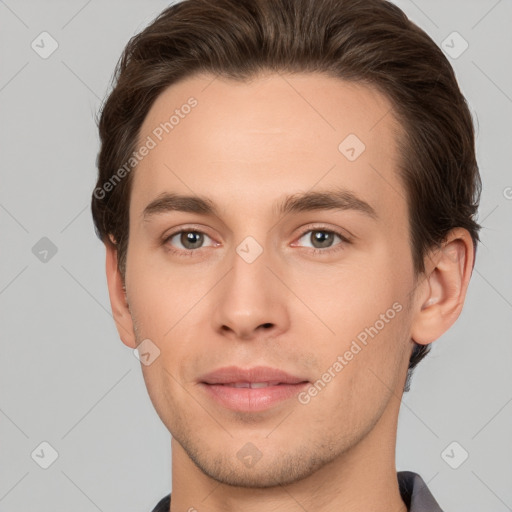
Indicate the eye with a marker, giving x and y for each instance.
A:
(322, 240)
(186, 240)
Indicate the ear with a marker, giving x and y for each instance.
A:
(442, 294)
(118, 300)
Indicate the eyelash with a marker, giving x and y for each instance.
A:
(312, 250)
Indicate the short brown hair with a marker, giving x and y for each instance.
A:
(367, 41)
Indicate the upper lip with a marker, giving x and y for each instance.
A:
(233, 374)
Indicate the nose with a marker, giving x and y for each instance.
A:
(250, 301)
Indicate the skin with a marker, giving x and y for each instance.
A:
(246, 146)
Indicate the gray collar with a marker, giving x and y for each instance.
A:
(415, 493)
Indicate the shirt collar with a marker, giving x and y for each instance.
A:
(415, 493)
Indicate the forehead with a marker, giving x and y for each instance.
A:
(276, 134)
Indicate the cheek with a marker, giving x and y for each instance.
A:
(162, 296)
(360, 314)
(357, 380)
(349, 296)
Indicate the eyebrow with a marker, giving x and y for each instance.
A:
(339, 199)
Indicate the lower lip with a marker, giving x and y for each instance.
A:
(252, 399)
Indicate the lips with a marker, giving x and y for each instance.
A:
(250, 377)
(252, 385)
(251, 390)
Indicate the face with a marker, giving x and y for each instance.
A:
(258, 275)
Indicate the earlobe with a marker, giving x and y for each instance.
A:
(442, 295)
(118, 299)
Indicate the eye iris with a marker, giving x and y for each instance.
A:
(323, 237)
(191, 237)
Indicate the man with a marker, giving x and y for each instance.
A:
(286, 193)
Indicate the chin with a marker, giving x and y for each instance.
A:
(277, 471)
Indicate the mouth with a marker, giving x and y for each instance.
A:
(246, 377)
(252, 385)
(251, 390)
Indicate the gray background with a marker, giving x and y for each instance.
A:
(66, 378)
